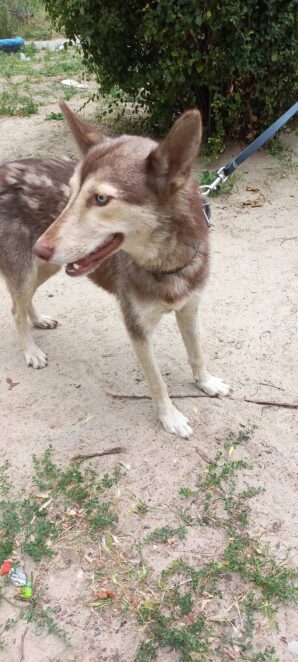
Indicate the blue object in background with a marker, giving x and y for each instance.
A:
(11, 45)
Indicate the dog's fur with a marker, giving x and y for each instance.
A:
(145, 239)
(32, 193)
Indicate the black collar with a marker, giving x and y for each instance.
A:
(159, 275)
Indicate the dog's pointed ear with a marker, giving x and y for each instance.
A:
(84, 134)
(170, 164)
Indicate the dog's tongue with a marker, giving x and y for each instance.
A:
(80, 267)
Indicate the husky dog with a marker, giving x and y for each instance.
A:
(135, 225)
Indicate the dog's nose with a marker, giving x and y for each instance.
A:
(43, 251)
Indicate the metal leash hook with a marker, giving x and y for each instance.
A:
(220, 179)
(208, 188)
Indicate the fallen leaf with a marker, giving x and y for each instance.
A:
(171, 541)
(72, 512)
(10, 383)
(125, 465)
(251, 135)
(252, 189)
(257, 551)
(87, 419)
(105, 594)
(230, 652)
(253, 203)
(204, 604)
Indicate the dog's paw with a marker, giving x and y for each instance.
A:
(45, 322)
(212, 385)
(35, 357)
(175, 422)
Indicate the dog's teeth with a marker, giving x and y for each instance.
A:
(75, 266)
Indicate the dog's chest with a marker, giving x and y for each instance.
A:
(149, 313)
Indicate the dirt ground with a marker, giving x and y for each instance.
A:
(249, 320)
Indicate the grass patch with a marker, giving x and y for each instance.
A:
(25, 19)
(63, 63)
(207, 611)
(12, 65)
(43, 63)
(54, 116)
(204, 611)
(31, 84)
(61, 498)
(36, 613)
(17, 105)
(283, 154)
(193, 610)
(142, 508)
(166, 533)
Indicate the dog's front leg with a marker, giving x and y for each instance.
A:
(187, 319)
(172, 419)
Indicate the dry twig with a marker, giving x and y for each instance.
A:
(23, 644)
(264, 403)
(108, 451)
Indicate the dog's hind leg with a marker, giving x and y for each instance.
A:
(187, 319)
(34, 356)
(23, 309)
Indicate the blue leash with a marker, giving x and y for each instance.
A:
(227, 170)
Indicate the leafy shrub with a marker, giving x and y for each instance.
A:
(235, 60)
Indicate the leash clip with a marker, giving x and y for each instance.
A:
(208, 188)
(220, 179)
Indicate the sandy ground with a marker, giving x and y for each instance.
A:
(250, 327)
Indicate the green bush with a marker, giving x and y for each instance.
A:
(236, 60)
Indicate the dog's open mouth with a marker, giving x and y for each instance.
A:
(89, 262)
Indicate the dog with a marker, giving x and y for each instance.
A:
(135, 225)
(33, 192)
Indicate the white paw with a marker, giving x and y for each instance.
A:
(175, 422)
(45, 322)
(36, 357)
(212, 385)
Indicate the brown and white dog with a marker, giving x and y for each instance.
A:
(135, 225)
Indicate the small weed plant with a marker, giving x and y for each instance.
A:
(61, 498)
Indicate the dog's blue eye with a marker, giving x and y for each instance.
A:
(102, 200)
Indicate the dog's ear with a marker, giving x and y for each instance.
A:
(170, 164)
(84, 134)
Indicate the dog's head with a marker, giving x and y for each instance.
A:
(122, 190)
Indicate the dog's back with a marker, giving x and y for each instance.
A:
(32, 194)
